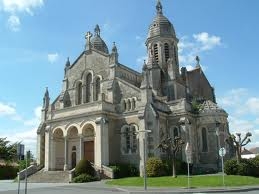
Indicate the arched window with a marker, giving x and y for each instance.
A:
(97, 88)
(156, 53)
(127, 136)
(129, 105)
(125, 105)
(79, 93)
(204, 140)
(66, 100)
(176, 134)
(134, 139)
(133, 104)
(88, 88)
(129, 139)
(166, 51)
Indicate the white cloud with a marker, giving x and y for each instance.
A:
(15, 7)
(207, 41)
(243, 110)
(190, 47)
(252, 105)
(36, 120)
(27, 135)
(233, 97)
(14, 23)
(53, 57)
(6, 109)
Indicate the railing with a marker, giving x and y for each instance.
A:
(71, 175)
(30, 170)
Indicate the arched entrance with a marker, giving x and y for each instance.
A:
(88, 135)
(73, 144)
(73, 157)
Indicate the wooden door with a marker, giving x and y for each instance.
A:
(89, 150)
(73, 160)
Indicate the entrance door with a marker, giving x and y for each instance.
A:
(73, 160)
(89, 150)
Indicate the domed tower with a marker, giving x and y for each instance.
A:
(97, 42)
(162, 52)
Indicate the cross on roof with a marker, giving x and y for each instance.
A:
(88, 38)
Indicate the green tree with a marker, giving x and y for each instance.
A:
(8, 151)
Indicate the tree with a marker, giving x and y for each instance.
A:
(238, 143)
(171, 147)
(8, 151)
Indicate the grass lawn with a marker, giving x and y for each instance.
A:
(182, 181)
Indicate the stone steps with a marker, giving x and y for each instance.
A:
(49, 177)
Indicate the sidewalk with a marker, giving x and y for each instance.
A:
(153, 190)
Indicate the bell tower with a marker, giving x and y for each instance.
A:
(163, 53)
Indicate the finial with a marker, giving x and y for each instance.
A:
(114, 48)
(144, 65)
(159, 7)
(68, 62)
(97, 30)
(198, 61)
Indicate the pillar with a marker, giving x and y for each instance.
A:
(101, 156)
(81, 146)
(65, 157)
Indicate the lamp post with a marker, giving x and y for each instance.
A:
(188, 153)
(218, 141)
(144, 156)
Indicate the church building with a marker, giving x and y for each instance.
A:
(109, 113)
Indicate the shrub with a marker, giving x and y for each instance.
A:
(155, 167)
(8, 172)
(84, 178)
(124, 170)
(255, 163)
(84, 167)
(231, 167)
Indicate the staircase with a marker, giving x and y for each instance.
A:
(49, 177)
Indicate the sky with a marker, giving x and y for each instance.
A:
(37, 36)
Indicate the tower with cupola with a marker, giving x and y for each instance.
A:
(162, 64)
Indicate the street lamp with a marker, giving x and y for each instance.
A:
(188, 153)
(218, 141)
(144, 156)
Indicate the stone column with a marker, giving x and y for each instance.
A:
(65, 157)
(47, 148)
(101, 156)
(81, 146)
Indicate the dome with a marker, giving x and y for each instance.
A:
(161, 26)
(210, 107)
(98, 43)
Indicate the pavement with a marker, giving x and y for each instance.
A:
(9, 187)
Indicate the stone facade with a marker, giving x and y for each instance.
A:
(104, 107)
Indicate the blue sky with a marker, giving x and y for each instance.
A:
(36, 37)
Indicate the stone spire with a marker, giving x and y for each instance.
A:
(67, 66)
(46, 99)
(159, 7)
(114, 54)
(114, 48)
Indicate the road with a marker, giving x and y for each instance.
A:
(91, 188)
